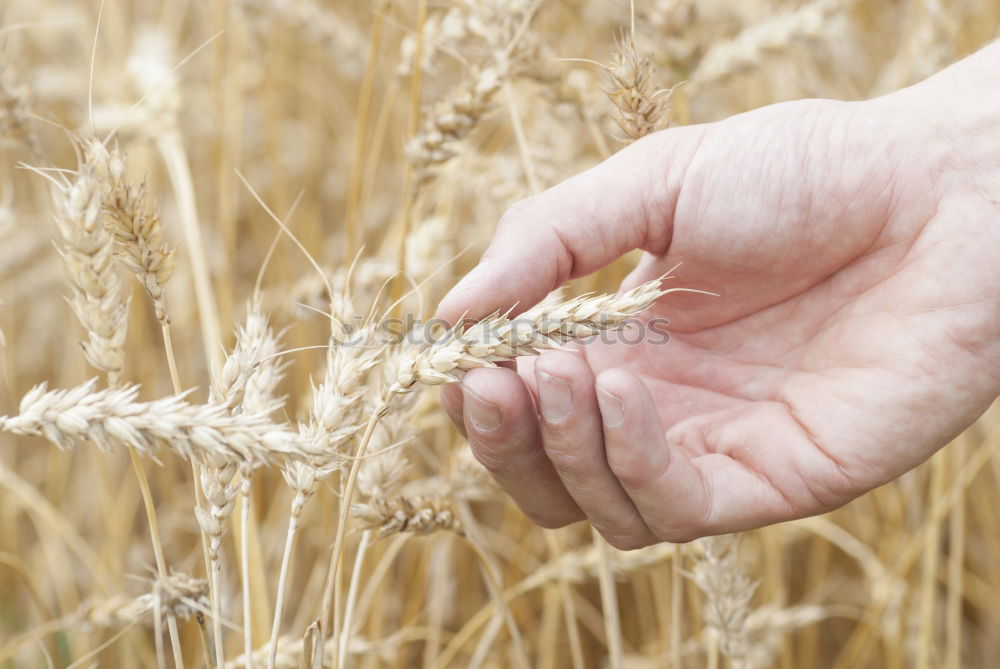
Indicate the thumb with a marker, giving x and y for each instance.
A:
(577, 227)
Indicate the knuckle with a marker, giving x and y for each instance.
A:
(492, 455)
(516, 213)
(568, 461)
(630, 473)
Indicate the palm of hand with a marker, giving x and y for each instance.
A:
(852, 330)
(856, 331)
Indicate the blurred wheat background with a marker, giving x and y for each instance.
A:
(262, 164)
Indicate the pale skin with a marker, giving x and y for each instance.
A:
(855, 248)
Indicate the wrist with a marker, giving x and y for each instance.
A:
(952, 116)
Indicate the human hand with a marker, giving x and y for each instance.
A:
(858, 328)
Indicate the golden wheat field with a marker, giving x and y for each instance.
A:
(207, 196)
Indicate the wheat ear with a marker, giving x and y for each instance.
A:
(549, 325)
(728, 590)
(88, 248)
(115, 418)
(417, 515)
(177, 595)
(630, 84)
(135, 223)
(333, 422)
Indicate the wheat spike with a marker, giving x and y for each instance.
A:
(135, 222)
(420, 515)
(115, 418)
(88, 248)
(728, 590)
(630, 85)
(548, 325)
(178, 594)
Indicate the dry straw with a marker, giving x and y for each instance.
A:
(453, 109)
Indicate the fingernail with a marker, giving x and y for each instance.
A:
(484, 416)
(556, 397)
(612, 408)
